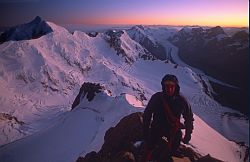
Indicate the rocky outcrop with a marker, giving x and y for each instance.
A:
(92, 34)
(8, 117)
(89, 89)
(120, 138)
(124, 143)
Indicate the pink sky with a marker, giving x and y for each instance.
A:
(154, 12)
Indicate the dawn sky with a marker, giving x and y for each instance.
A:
(148, 12)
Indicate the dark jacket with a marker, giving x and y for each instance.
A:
(178, 105)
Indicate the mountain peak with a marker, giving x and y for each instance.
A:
(34, 29)
(191, 30)
(138, 28)
(218, 29)
(212, 32)
(143, 35)
(37, 19)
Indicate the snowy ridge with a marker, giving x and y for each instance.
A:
(86, 125)
(125, 46)
(130, 45)
(56, 28)
(143, 35)
(139, 32)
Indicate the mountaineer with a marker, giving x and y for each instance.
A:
(161, 120)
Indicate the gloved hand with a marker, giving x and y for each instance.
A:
(186, 138)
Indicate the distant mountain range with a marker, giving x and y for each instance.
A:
(219, 55)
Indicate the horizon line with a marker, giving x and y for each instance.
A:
(133, 24)
(121, 24)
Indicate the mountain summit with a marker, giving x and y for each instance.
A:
(34, 29)
(215, 31)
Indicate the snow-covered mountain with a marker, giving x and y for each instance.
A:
(142, 35)
(40, 78)
(124, 46)
(40, 73)
(32, 30)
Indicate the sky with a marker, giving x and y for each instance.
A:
(145, 12)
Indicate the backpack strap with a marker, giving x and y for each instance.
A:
(172, 120)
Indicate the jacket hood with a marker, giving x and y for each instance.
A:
(173, 78)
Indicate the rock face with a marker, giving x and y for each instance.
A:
(34, 29)
(124, 143)
(8, 117)
(89, 89)
(120, 138)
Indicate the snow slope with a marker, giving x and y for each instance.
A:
(82, 130)
(40, 78)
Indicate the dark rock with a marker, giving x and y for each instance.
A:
(89, 89)
(8, 117)
(92, 34)
(90, 157)
(184, 151)
(120, 138)
(208, 158)
(124, 156)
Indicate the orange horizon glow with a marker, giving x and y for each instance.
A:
(226, 13)
(225, 22)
